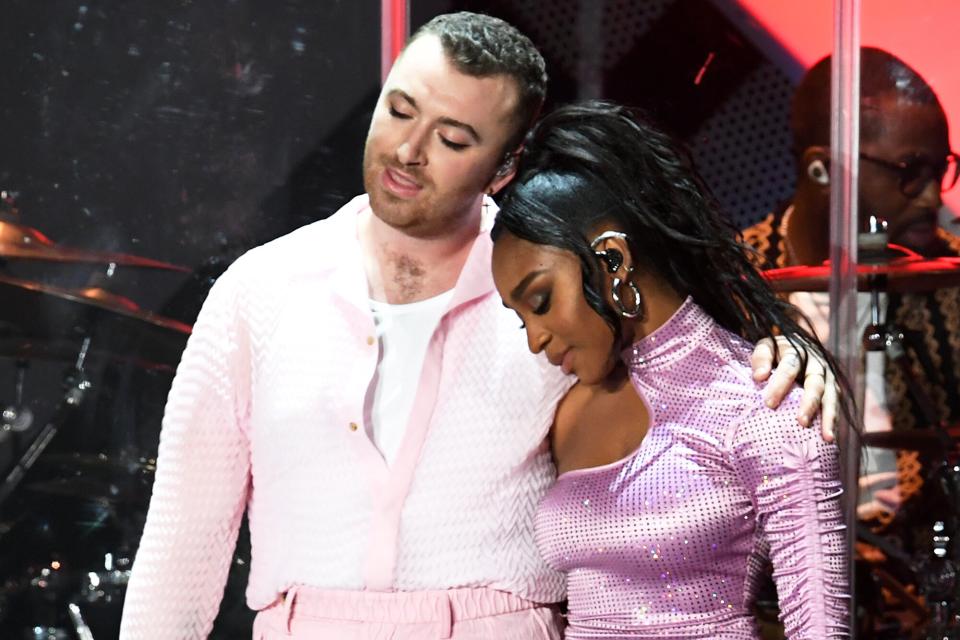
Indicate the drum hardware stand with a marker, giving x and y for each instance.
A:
(83, 631)
(903, 570)
(939, 583)
(76, 385)
(938, 577)
(881, 335)
(16, 417)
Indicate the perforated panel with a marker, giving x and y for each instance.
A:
(553, 25)
(743, 150)
(623, 22)
(743, 147)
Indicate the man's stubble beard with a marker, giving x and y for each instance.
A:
(423, 217)
(391, 210)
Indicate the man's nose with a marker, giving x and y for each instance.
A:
(931, 197)
(411, 149)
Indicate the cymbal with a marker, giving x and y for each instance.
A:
(94, 476)
(916, 440)
(22, 242)
(93, 463)
(89, 488)
(39, 312)
(908, 274)
(17, 347)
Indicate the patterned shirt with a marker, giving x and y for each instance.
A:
(930, 323)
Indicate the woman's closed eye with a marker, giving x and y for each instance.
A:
(540, 303)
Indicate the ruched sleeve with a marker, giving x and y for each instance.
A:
(793, 477)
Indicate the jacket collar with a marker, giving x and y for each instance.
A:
(349, 278)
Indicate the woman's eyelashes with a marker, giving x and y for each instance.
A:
(539, 304)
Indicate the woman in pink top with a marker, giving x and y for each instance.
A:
(677, 483)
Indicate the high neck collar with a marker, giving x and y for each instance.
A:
(671, 341)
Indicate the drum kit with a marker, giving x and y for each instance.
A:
(908, 569)
(69, 520)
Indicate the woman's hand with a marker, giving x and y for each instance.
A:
(820, 391)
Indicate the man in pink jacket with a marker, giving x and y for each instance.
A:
(358, 388)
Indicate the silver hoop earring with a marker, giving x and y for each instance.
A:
(637, 309)
(606, 235)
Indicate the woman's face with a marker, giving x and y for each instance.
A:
(544, 286)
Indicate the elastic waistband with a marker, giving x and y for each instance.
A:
(444, 606)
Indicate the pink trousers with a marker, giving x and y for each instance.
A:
(455, 614)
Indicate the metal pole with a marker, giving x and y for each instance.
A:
(844, 163)
(394, 31)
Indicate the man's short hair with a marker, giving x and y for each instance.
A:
(882, 74)
(482, 46)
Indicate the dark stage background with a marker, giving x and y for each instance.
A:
(189, 131)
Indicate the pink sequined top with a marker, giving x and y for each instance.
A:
(670, 541)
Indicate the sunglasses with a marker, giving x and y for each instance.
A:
(915, 174)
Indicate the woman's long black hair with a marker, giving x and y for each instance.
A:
(596, 162)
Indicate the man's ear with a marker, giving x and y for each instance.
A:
(504, 174)
(815, 167)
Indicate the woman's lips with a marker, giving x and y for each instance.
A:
(566, 365)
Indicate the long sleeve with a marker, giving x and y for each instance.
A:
(793, 478)
(201, 484)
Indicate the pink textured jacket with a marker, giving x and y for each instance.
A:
(266, 413)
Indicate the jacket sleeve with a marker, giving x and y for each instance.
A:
(202, 479)
(793, 477)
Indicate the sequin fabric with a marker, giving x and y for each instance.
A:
(670, 542)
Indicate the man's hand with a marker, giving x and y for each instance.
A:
(820, 390)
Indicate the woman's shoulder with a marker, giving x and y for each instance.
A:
(602, 407)
(735, 394)
(774, 426)
(571, 407)
(589, 400)
(598, 425)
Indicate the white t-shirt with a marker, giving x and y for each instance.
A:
(404, 332)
